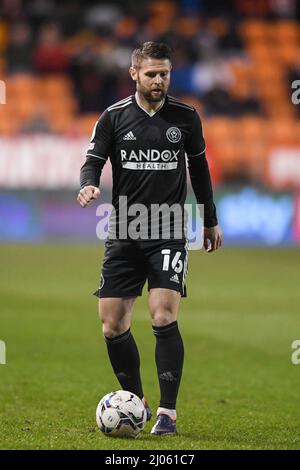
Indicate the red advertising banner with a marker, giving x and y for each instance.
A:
(284, 168)
(44, 162)
(297, 218)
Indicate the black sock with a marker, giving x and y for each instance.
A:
(169, 355)
(125, 360)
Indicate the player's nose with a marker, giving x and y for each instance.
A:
(158, 80)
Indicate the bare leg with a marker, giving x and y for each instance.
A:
(163, 306)
(115, 315)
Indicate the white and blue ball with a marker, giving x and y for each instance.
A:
(121, 414)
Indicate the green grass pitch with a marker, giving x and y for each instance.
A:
(239, 390)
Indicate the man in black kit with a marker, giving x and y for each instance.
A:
(147, 137)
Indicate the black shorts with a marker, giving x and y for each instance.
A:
(128, 264)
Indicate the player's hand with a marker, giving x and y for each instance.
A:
(87, 194)
(213, 238)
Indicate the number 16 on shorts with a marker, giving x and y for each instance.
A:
(176, 263)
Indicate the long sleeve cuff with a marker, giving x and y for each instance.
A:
(90, 172)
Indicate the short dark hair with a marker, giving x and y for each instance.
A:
(154, 50)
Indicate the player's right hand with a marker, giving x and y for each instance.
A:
(87, 194)
(213, 238)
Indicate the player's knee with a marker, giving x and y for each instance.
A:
(112, 325)
(162, 317)
(112, 330)
(114, 321)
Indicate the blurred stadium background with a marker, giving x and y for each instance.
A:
(63, 63)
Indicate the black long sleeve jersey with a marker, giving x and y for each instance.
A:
(148, 155)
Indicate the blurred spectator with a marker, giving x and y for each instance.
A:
(11, 9)
(95, 75)
(205, 43)
(284, 8)
(181, 78)
(92, 44)
(70, 18)
(230, 41)
(125, 32)
(40, 12)
(88, 86)
(49, 55)
(211, 74)
(258, 8)
(218, 101)
(36, 123)
(249, 105)
(102, 17)
(124, 85)
(18, 52)
(219, 7)
(192, 7)
(3, 35)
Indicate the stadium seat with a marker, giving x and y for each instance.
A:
(24, 107)
(126, 27)
(287, 31)
(253, 31)
(269, 72)
(163, 8)
(57, 86)
(281, 131)
(218, 25)
(219, 129)
(187, 26)
(287, 53)
(193, 101)
(63, 124)
(157, 25)
(61, 105)
(251, 128)
(22, 84)
(260, 53)
(86, 123)
(9, 123)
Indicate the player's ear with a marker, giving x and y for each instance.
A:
(133, 73)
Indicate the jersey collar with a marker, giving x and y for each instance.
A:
(151, 113)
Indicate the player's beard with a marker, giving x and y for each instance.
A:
(149, 95)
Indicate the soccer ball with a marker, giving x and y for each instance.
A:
(121, 414)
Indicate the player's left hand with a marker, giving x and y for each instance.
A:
(213, 238)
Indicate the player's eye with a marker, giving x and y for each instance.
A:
(152, 74)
